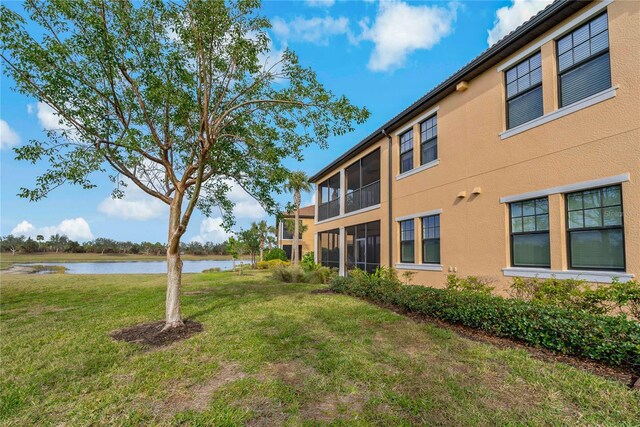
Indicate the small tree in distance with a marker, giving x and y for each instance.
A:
(183, 99)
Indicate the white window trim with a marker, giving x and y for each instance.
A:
(596, 276)
(359, 211)
(421, 168)
(584, 185)
(425, 267)
(418, 120)
(569, 26)
(561, 112)
(419, 215)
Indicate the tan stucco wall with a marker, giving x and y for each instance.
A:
(600, 141)
(307, 237)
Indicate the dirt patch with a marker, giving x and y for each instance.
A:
(197, 397)
(333, 407)
(152, 334)
(292, 373)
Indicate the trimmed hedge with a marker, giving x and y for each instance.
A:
(614, 340)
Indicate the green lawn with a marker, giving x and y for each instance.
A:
(270, 354)
(6, 259)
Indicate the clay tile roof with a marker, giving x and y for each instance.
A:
(304, 212)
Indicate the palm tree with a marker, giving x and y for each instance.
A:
(264, 232)
(298, 182)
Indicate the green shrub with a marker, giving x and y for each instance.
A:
(291, 274)
(469, 284)
(295, 274)
(321, 275)
(271, 264)
(614, 340)
(308, 262)
(578, 295)
(275, 253)
(626, 296)
(212, 270)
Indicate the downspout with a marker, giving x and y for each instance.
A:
(389, 207)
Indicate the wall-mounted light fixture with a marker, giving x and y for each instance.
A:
(462, 195)
(476, 190)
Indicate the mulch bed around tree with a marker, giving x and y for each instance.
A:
(151, 334)
(626, 375)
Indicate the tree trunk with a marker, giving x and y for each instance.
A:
(295, 256)
(261, 249)
(173, 317)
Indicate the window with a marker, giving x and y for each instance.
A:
(288, 250)
(595, 229)
(524, 91)
(530, 233)
(407, 241)
(329, 198)
(363, 183)
(429, 140)
(329, 248)
(406, 151)
(583, 61)
(288, 229)
(431, 239)
(363, 246)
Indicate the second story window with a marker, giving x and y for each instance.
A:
(329, 198)
(363, 183)
(406, 151)
(407, 241)
(524, 91)
(429, 140)
(530, 245)
(288, 228)
(583, 61)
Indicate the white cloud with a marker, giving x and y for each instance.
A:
(312, 199)
(508, 18)
(8, 136)
(47, 116)
(211, 230)
(135, 205)
(320, 3)
(314, 30)
(400, 28)
(245, 206)
(74, 229)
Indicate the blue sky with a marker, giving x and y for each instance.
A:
(382, 55)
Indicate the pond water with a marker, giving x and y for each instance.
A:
(135, 267)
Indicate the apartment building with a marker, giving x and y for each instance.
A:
(306, 231)
(525, 162)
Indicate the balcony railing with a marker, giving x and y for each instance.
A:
(369, 195)
(329, 209)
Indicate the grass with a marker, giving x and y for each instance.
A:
(270, 354)
(7, 260)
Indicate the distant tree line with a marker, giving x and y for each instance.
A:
(61, 243)
(251, 242)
